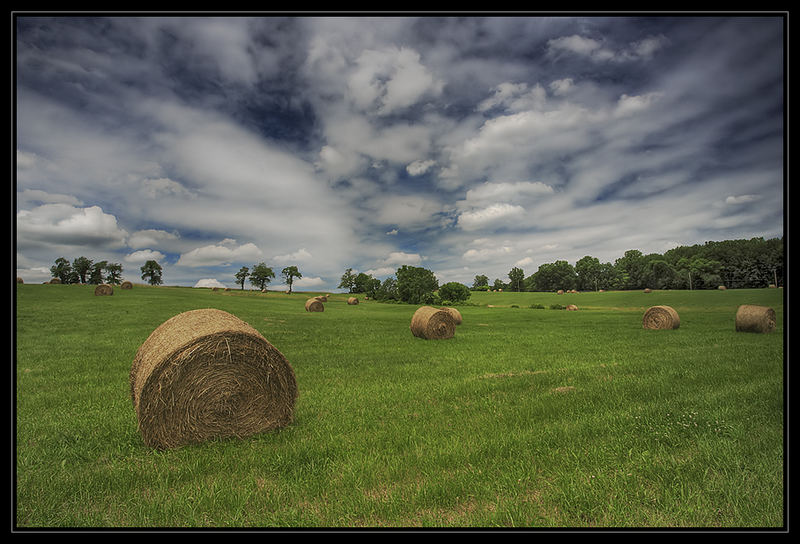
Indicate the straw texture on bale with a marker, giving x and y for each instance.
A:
(103, 290)
(432, 324)
(661, 318)
(322, 298)
(352, 301)
(126, 285)
(648, 290)
(206, 374)
(314, 305)
(751, 318)
(571, 308)
(455, 313)
(560, 292)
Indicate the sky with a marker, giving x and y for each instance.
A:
(467, 145)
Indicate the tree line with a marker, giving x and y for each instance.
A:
(84, 270)
(752, 263)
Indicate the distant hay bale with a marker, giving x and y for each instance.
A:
(752, 318)
(772, 286)
(571, 308)
(648, 290)
(206, 374)
(660, 318)
(215, 289)
(314, 305)
(19, 280)
(432, 324)
(55, 281)
(352, 301)
(227, 289)
(103, 290)
(722, 288)
(455, 313)
(560, 292)
(126, 285)
(602, 291)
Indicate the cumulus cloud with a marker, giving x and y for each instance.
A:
(492, 216)
(301, 255)
(209, 282)
(28, 197)
(64, 224)
(390, 79)
(741, 199)
(220, 255)
(417, 168)
(161, 187)
(152, 238)
(144, 255)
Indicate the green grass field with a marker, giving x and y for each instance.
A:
(526, 418)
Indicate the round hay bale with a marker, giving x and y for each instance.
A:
(19, 280)
(352, 301)
(314, 305)
(648, 290)
(560, 292)
(126, 285)
(206, 374)
(571, 308)
(455, 313)
(103, 290)
(752, 318)
(772, 286)
(322, 298)
(432, 324)
(722, 288)
(55, 281)
(661, 317)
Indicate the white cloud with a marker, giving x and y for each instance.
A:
(494, 215)
(152, 238)
(209, 282)
(216, 255)
(164, 187)
(526, 261)
(381, 271)
(742, 199)
(418, 168)
(142, 256)
(627, 105)
(29, 196)
(300, 255)
(486, 253)
(63, 224)
(392, 232)
(390, 79)
(401, 257)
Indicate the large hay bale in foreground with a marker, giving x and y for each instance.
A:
(206, 374)
(126, 285)
(352, 301)
(432, 324)
(752, 318)
(103, 290)
(661, 318)
(455, 313)
(314, 305)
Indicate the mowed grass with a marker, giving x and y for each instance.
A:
(526, 418)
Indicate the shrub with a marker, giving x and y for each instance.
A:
(454, 292)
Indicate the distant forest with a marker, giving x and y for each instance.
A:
(734, 264)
